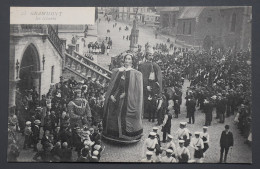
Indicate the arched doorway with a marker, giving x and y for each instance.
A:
(29, 70)
(207, 43)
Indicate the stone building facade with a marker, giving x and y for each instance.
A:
(35, 59)
(168, 19)
(236, 27)
(218, 27)
(199, 27)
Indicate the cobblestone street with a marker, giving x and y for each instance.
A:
(120, 45)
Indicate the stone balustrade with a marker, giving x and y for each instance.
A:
(92, 64)
(85, 69)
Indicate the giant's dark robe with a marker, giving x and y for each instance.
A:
(122, 120)
(146, 68)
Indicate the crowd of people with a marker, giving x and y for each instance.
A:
(67, 120)
(178, 152)
(103, 48)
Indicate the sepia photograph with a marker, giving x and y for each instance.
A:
(163, 84)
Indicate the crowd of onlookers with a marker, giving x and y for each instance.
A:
(103, 48)
(45, 124)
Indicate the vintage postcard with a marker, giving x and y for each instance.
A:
(155, 84)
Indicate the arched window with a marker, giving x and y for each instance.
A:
(233, 23)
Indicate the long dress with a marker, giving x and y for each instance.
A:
(122, 120)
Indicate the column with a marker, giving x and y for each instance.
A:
(13, 76)
(12, 92)
(37, 81)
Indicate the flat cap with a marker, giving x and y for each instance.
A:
(152, 133)
(181, 141)
(169, 151)
(170, 136)
(28, 122)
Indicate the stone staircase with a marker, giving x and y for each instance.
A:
(83, 68)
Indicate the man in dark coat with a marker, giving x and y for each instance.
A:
(57, 152)
(76, 140)
(56, 134)
(103, 48)
(46, 139)
(208, 109)
(66, 153)
(221, 107)
(243, 114)
(191, 108)
(230, 103)
(45, 155)
(177, 108)
(160, 110)
(166, 126)
(85, 155)
(201, 99)
(96, 135)
(53, 121)
(36, 133)
(47, 121)
(65, 134)
(226, 142)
